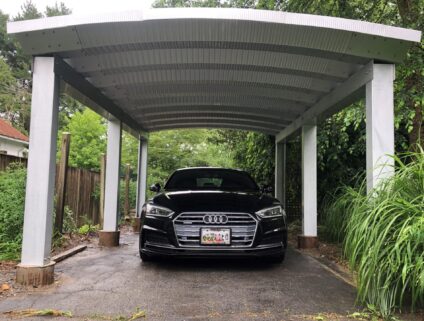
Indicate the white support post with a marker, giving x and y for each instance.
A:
(113, 162)
(38, 220)
(309, 186)
(35, 268)
(380, 125)
(142, 176)
(280, 173)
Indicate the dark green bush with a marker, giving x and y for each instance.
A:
(132, 195)
(383, 235)
(336, 213)
(12, 199)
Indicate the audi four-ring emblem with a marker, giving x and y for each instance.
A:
(215, 219)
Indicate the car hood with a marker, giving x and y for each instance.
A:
(214, 201)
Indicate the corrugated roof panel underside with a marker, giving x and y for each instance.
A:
(241, 73)
(199, 73)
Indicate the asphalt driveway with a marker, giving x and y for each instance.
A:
(101, 284)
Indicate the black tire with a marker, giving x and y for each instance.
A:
(145, 257)
(277, 259)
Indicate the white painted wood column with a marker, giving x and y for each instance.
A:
(380, 125)
(309, 180)
(38, 217)
(113, 163)
(280, 172)
(142, 175)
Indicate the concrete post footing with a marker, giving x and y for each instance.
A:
(35, 275)
(109, 238)
(307, 242)
(136, 224)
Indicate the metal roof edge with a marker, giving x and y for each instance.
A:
(266, 16)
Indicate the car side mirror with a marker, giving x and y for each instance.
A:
(155, 188)
(267, 189)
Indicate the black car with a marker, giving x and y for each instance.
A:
(212, 212)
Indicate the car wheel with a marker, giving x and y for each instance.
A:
(145, 258)
(277, 258)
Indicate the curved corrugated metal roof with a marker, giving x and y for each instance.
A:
(230, 68)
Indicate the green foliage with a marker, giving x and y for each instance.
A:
(336, 213)
(252, 152)
(383, 234)
(69, 224)
(12, 197)
(88, 229)
(28, 11)
(129, 150)
(15, 93)
(88, 139)
(57, 10)
(173, 149)
(132, 194)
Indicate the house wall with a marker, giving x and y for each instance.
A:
(13, 147)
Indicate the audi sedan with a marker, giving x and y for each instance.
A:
(212, 212)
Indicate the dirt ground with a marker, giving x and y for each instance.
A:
(8, 287)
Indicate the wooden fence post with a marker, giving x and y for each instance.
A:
(127, 192)
(61, 181)
(102, 188)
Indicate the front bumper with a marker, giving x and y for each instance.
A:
(158, 237)
(268, 250)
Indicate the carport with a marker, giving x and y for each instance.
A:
(273, 72)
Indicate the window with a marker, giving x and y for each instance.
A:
(211, 178)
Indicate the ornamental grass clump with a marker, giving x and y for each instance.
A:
(384, 239)
(336, 213)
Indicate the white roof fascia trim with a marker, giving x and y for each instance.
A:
(350, 86)
(265, 16)
(25, 143)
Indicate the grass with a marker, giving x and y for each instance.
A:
(383, 236)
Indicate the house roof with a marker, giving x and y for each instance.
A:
(9, 131)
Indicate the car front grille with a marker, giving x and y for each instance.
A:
(188, 224)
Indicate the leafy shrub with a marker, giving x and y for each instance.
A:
(383, 235)
(12, 199)
(337, 211)
(132, 195)
(87, 229)
(69, 224)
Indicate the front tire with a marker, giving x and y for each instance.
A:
(145, 257)
(277, 259)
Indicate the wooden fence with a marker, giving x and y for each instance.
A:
(81, 187)
(6, 160)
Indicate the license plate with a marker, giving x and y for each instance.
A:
(215, 236)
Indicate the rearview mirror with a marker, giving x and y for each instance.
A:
(267, 189)
(155, 188)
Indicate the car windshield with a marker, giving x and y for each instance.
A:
(211, 179)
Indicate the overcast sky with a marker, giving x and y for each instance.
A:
(80, 7)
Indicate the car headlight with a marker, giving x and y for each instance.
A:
(155, 210)
(274, 211)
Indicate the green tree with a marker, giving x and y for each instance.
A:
(16, 94)
(28, 11)
(129, 150)
(57, 10)
(88, 139)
